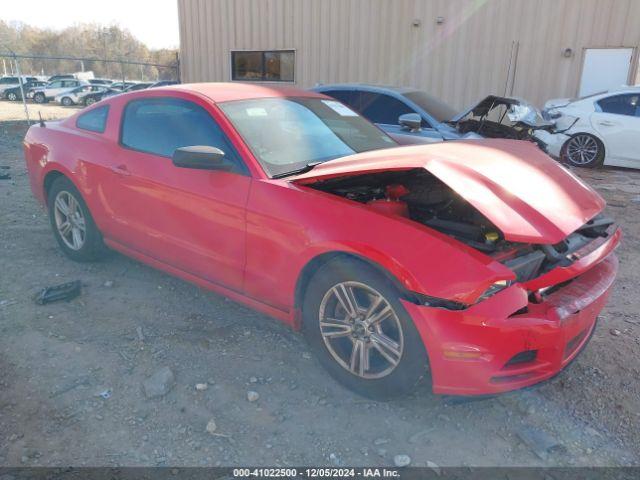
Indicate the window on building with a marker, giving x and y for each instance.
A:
(94, 120)
(263, 66)
(161, 125)
(621, 105)
(380, 108)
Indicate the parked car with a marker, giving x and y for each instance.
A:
(77, 95)
(121, 85)
(93, 97)
(100, 81)
(599, 129)
(66, 76)
(406, 112)
(164, 83)
(12, 81)
(138, 86)
(52, 89)
(481, 265)
(15, 93)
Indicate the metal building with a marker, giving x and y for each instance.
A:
(459, 50)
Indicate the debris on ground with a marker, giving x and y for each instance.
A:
(159, 384)
(105, 394)
(65, 291)
(201, 386)
(615, 332)
(211, 426)
(402, 461)
(4, 173)
(108, 284)
(334, 459)
(252, 396)
(540, 442)
(140, 334)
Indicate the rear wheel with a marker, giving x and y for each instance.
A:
(66, 101)
(39, 98)
(89, 101)
(583, 150)
(12, 96)
(356, 325)
(72, 223)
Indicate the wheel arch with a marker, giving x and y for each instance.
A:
(50, 177)
(589, 132)
(313, 265)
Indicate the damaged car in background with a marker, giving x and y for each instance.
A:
(479, 265)
(412, 116)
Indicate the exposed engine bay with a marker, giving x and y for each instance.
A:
(419, 196)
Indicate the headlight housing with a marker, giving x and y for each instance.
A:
(495, 288)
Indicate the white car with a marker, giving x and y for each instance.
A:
(603, 128)
(52, 89)
(76, 95)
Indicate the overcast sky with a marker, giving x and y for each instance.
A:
(155, 22)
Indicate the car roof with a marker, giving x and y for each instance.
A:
(366, 87)
(229, 91)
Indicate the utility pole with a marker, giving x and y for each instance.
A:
(24, 99)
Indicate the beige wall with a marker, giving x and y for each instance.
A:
(375, 41)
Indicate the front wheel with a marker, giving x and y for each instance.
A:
(66, 101)
(89, 101)
(12, 96)
(39, 98)
(583, 150)
(360, 332)
(72, 223)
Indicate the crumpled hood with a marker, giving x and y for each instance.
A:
(523, 192)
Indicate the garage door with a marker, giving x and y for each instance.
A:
(605, 69)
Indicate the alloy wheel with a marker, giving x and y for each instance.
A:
(582, 150)
(70, 221)
(13, 97)
(361, 330)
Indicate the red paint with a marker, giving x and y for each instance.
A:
(250, 237)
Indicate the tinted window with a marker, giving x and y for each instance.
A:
(381, 108)
(57, 84)
(345, 96)
(263, 66)
(9, 80)
(94, 120)
(621, 104)
(161, 125)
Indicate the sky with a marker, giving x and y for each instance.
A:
(154, 22)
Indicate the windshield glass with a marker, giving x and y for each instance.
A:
(434, 107)
(286, 134)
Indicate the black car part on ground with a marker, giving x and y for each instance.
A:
(65, 291)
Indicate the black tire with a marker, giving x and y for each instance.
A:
(583, 150)
(39, 97)
(12, 96)
(412, 365)
(92, 247)
(89, 101)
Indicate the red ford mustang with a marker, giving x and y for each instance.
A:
(480, 265)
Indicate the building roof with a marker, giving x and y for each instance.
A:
(225, 92)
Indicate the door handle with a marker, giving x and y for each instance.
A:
(120, 170)
(606, 123)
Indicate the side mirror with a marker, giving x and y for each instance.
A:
(410, 121)
(200, 157)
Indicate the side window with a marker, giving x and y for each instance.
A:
(57, 84)
(620, 105)
(161, 125)
(380, 108)
(345, 96)
(94, 120)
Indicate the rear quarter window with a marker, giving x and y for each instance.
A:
(94, 120)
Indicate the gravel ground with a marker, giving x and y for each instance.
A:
(131, 321)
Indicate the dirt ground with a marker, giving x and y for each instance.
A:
(131, 320)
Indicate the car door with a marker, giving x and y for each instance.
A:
(192, 220)
(617, 120)
(384, 110)
(54, 88)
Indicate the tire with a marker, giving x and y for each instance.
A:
(89, 101)
(39, 97)
(334, 345)
(583, 150)
(86, 244)
(66, 101)
(12, 96)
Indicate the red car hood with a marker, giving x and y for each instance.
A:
(523, 192)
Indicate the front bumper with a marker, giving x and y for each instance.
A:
(472, 352)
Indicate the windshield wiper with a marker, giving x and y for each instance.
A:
(305, 169)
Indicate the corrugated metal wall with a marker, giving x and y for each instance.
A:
(377, 41)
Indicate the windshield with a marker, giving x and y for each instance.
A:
(286, 134)
(434, 107)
